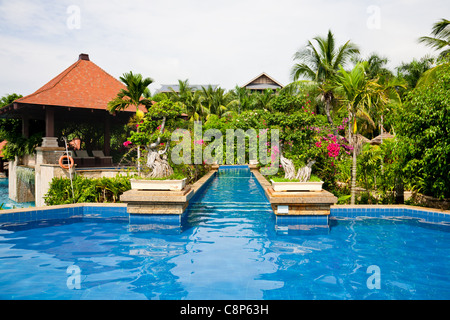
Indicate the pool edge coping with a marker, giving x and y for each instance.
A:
(203, 181)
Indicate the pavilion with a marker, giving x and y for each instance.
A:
(79, 94)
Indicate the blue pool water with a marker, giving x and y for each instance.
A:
(230, 246)
(4, 197)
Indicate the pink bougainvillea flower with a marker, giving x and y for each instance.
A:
(333, 150)
(201, 141)
(318, 144)
(126, 143)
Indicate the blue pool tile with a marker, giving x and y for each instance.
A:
(4, 217)
(301, 220)
(154, 218)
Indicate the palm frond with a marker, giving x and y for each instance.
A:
(434, 43)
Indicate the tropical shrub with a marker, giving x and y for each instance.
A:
(286, 102)
(425, 137)
(86, 190)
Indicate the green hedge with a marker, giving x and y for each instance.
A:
(86, 190)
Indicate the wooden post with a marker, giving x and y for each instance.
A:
(25, 126)
(49, 141)
(107, 135)
(49, 122)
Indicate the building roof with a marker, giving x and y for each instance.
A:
(176, 87)
(261, 82)
(82, 85)
(379, 138)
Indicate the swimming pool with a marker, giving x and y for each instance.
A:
(230, 246)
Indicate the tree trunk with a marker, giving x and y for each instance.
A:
(157, 160)
(328, 109)
(288, 167)
(304, 174)
(399, 191)
(353, 186)
(139, 160)
(160, 167)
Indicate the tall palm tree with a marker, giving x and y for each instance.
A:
(361, 94)
(133, 95)
(440, 38)
(241, 99)
(320, 63)
(215, 100)
(190, 100)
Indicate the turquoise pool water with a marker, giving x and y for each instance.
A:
(230, 246)
(4, 197)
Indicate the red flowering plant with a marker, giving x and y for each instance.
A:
(329, 149)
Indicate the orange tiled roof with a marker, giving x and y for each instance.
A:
(82, 85)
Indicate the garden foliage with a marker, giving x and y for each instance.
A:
(424, 130)
(86, 190)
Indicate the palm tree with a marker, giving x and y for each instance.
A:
(361, 94)
(321, 63)
(376, 67)
(134, 94)
(215, 100)
(264, 99)
(190, 100)
(241, 99)
(440, 38)
(411, 72)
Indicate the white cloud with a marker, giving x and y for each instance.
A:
(218, 42)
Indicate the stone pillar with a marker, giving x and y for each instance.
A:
(46, 169)
(12, 179)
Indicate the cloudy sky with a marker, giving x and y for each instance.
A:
(206, 41)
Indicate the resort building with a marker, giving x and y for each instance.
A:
(262, 82)
(80, 95)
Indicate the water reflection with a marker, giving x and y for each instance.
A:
(228, 247)
(301, 229)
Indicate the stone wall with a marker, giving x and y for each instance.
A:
(430, 202)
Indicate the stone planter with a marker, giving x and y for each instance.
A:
(171, 185)
(297, 186)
